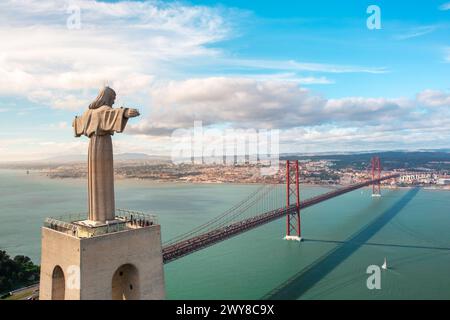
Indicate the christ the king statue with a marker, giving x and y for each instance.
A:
(99, 123)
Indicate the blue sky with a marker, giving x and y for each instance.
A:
(412, 42)
(311, 69)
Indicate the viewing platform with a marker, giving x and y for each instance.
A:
(78, 226)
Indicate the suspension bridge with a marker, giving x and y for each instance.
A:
(268, 203)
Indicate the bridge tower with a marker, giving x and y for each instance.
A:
(293, 231)
(376, 174)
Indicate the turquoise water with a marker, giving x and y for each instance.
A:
(343, 236)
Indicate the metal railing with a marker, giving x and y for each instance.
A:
(125, 220)
(129, 215)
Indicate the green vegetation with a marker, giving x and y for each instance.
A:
(16, 273)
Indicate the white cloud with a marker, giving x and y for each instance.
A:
(286, 76)
(365, 110)
(315, 121)
(267, 104)
(48, 63)
(23, 149)
(328, 138)
(416, 32)
(445, 6)
(292, 65)
(137, 47)
(127, 44)
(220, 100)
(434, 98)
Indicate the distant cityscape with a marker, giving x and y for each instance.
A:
(427, 169)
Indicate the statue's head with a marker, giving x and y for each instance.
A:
(106, 97)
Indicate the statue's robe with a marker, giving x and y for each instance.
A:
(99, 124)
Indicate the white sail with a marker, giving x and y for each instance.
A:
(384, 266)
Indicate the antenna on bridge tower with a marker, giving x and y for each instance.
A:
(293, 231)
(376, 174)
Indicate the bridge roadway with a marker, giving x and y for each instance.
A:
(185, 247)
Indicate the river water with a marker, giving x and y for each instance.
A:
(343, 236)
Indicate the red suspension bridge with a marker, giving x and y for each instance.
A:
(266, 204)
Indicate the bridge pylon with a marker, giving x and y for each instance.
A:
(376, 174)
(293, 230)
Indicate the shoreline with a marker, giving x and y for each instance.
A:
(44, 174)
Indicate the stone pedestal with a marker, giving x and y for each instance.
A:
(119, 263)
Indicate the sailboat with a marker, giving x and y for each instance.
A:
(384, 266)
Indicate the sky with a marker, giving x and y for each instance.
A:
(313, 70)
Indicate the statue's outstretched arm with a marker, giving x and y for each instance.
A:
(77, 126)
(131, 113)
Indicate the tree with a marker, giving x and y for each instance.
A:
(16, 272)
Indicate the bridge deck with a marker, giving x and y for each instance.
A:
(185, 247)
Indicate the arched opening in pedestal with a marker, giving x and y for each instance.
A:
(58, 284)
(125, 283)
